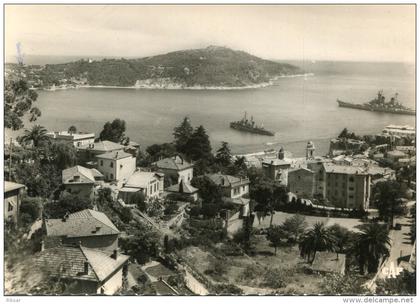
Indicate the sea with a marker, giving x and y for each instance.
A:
(297, 109)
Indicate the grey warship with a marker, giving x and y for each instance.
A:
(250, 126)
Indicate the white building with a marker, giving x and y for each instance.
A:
(116, 166)
(175, 167)
(400, 130)
(149, 183)
(77, 139)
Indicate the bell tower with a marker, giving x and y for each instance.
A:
(310, 149)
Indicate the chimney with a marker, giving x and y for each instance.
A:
(76, 178)
(114, 254)
(65, 217)
(86, 268)
(223, 181)
(116, 155)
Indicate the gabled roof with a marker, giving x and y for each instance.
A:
(225, 180)
(10, 186)
(182, 187)
(86, 175)
(102, 146)
(114, 155)
(301, 169)
(68, 262)
(83, 223)
(173, 163)
(141, 179)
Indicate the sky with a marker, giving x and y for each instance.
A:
(300, 32)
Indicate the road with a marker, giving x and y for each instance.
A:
(400, 247)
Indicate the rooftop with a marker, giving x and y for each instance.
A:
(80, 175)
(343, 169)
(115, 155)
(10, 186)
(275, 162)
(141, 179)
(83, 223)
(225, 180)
(102, 146)
(74, 136)
(182, 187)
(174, 163)
(69, 262)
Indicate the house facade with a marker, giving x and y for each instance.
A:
(175, 168)
(149, 183)
(116, 166)
(12, 199)
(301, 182)
(81, 181)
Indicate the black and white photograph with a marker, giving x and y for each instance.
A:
(229, 149)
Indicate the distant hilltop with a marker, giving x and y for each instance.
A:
(210, 67)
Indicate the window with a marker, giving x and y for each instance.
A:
(351, 188)
(9, 207)
(102, 162)
(121, 166)
(112, 176)
(151, 189)
(351, 196)
(351, 179)
(111, 164)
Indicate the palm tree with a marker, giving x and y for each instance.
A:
(372, 244)
(35, 136)
(319, 238)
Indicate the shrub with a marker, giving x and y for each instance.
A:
(227, 289)
(273, 278)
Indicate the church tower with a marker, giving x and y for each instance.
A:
(310, 149)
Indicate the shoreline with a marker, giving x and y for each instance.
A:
(178, 86)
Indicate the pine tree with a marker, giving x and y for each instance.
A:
(224, 156)
(199, 147)
(182, 134)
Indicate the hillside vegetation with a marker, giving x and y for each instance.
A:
(211, 66)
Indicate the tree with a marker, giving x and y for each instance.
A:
(158, 152)
(294, 226)
(199, 145)
(386, 196)
(344, 238)
(182, 135)
(63, 155)
(275, 235)
(318, 238)
(224, 156)
(72, 129)
(30, 209)
(113, 131)
(139, 200)
(246, 236)
(142, 244)
(67, 203)
(208, 190)
(371, 245)
(35, 136)
(18, 100)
